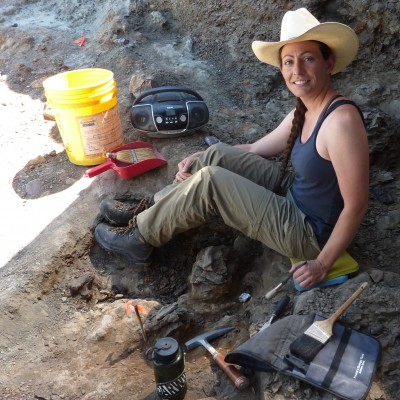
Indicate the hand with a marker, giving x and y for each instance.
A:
(184, 167)
(308, 275)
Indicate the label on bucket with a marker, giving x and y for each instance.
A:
(101, 132)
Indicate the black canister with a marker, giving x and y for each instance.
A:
(169, 369)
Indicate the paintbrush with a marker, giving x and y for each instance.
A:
(317, 335)
(132, 156)
(276, 289)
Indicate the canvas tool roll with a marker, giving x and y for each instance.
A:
(344, 367)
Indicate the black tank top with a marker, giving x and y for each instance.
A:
(315, 188)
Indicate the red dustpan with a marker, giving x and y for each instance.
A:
(124, 170)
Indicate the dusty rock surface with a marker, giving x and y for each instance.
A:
(64, 332)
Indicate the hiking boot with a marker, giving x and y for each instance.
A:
(119, 213)
(128, 242)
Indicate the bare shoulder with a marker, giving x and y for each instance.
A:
(346, 121)
(343, 132)
(347, 114)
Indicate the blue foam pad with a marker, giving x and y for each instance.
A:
(334, 281)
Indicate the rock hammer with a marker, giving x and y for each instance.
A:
(240, 381)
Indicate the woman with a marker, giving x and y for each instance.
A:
(311, 214)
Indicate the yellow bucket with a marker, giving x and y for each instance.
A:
(86, 112)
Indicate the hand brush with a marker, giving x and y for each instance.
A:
(133, 156)
(317, 335)
(275, 290)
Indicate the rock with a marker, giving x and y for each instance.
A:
(48, 112)
(81, 284)
(36, 161)
(379, 176)
(376, 329)
(376, 275)
(376, 393)
(211, 276)
(41, 395)
(103, 329)
(158, 19)
(389, 221)
(140, 83)
(171, 320)
(114, 325)
(382, 194)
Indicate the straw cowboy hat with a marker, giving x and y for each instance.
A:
(301, 25)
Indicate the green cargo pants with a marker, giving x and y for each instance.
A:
(237, 186)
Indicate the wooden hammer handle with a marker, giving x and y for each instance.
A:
(239, 380)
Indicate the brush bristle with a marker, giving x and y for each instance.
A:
(306, 347)
(132, 156)
(317, 333)
(310, 342)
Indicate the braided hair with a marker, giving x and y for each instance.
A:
(297, 127)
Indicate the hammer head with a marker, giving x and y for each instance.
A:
(206, 337)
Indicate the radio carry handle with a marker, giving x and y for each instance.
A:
(164, 89)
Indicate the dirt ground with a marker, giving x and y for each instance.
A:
(64, 329)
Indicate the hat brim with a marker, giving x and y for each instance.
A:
(340, 38)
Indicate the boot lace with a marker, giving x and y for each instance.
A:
(143, 205)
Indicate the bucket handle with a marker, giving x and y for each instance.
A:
(98, 169)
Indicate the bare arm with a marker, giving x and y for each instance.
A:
(347, 147)
(274, 142)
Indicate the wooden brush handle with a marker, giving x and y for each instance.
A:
(239, 380)
(347, 303)
(273, 292)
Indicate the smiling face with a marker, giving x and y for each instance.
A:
(304, 68)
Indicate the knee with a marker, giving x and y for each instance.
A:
(209, 171)
(207, 175)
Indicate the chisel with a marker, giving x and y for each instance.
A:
(278, 310)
